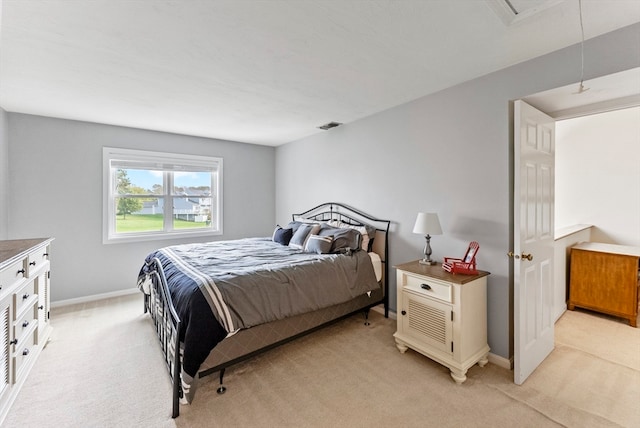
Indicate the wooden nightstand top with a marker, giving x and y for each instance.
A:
(436, 271)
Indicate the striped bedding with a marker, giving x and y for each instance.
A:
(219, 288)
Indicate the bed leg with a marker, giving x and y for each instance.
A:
(221, 389)
(366, 316)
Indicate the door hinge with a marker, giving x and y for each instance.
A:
(451, 315)
(49, 274)
(451, 346)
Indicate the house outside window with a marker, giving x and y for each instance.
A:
(153, 195)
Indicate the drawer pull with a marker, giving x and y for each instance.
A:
(25, 352)
(13, 342)
(404, 312)
(425, 286)
(45, 255)
(25, 324)
(21, 271)
(25, 296)
(41, 307)
(32, 263)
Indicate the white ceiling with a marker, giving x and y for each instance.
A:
(267, 72)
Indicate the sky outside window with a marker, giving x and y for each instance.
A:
(147, 179)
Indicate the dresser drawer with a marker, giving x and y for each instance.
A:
(36, 260)
(12, 274)
(24, 352)
(23, 296)
(24, 325)
(428, 287)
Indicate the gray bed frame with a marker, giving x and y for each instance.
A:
(255, 340)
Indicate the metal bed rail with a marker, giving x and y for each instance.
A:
(167, 324)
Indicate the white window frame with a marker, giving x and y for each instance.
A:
(160, 161)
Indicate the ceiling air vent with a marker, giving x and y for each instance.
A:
(329, 125)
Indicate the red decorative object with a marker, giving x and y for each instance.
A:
(465, 265)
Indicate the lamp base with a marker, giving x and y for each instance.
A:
(427, 262)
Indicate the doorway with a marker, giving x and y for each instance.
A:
(613, 92)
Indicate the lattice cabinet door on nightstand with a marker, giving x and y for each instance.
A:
(443, 316)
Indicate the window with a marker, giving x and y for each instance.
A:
(152, 195)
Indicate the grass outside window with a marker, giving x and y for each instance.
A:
(132, 223)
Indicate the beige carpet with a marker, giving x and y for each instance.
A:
(103, 368)
(594, 370)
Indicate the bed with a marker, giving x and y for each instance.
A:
(216, 304)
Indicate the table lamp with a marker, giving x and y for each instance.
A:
(427, 224)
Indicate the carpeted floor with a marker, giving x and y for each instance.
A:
(103, 368)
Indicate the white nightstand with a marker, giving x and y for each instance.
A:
(443, 316)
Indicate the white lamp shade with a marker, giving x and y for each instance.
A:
(427, 224)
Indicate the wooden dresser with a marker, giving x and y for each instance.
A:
(24, 312)
(605, 278)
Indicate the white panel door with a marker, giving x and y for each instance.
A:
(534, 162)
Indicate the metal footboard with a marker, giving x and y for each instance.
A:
(167, 323)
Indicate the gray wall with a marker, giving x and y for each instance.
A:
(4, 175)
(4, 163)
(56, 190)
(450, 152)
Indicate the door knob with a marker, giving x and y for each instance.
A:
(527, 256)
(511, 254)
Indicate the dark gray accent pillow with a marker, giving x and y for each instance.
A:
(282, 235)
(318, 244)
(300, 236)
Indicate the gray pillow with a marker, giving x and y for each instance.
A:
(294, 225)
(318, 244)
(300, 236)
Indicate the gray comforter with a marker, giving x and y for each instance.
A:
(218, 288)
(255, 280)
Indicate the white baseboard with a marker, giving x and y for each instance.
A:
(94, 297)
(505, 363)
(563, 309)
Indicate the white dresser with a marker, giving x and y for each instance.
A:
(443, 316)
(24, 312)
